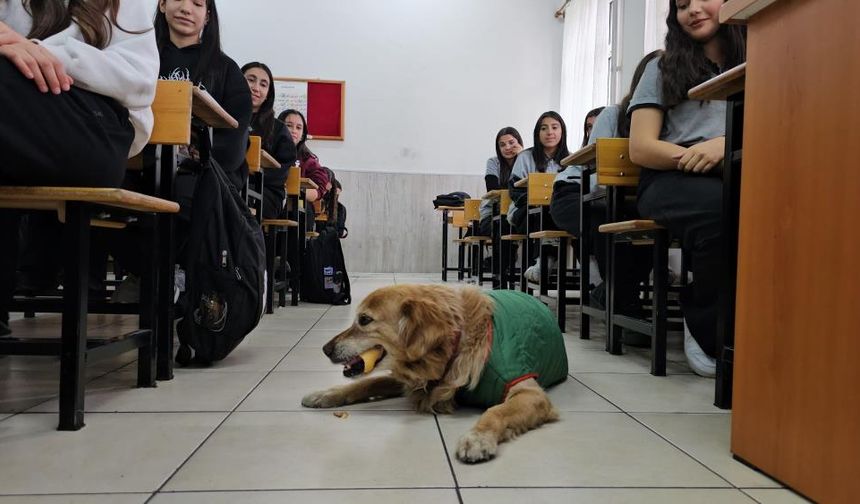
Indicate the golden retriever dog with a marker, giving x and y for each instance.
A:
(444, 346)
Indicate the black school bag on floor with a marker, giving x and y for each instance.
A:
(324, 277)
(226, 263)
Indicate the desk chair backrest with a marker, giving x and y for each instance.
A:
(614, 167)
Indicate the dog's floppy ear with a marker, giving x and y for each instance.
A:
(424, 324)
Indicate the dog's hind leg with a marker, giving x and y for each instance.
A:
(357, 391)
(526, 407)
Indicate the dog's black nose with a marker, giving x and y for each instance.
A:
(328, 348)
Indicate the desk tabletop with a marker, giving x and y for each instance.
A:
(494, 194)
(522, 182)
(739, 11)
(204, 107)
(309, 184)
(443, 207)
(728, 83)
(267, 161)
(583, 156)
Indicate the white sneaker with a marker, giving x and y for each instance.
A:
(532, 274)
(701, 363)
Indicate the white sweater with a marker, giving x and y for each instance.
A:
(126, 70)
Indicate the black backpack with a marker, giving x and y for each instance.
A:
(455, 198)
(324, 276)
(226, 263)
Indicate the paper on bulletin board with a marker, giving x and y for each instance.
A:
(291, 95)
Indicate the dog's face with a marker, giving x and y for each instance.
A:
(414, 324)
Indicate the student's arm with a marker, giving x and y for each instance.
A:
(492, 174)
(229, 145)
(519, 172)
(312, 170)
(126, 70)
(646, 148)
(284, 152)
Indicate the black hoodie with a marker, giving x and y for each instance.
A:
(228, 87)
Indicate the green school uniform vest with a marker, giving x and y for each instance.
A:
(527, 343)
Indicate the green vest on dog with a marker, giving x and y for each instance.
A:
(527, 343)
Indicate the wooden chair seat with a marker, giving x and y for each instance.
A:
(513, 237)
(311, 234)
(461, 240)
(477, 239)
(280, 223)
(550, 234)
(629, 226)
(55, 198)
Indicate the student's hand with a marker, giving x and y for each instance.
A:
(9, 36)
(702, 157)
(39, 65)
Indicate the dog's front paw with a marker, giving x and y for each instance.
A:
(330, 398)
(477, 447)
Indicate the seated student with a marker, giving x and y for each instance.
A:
(508, 145)
(633, 263)
(550, 147)
(276, 140)
(189, 45)
(309, 163)
(78, 80)
(681, 142)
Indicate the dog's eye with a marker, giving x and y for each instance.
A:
(363, 320)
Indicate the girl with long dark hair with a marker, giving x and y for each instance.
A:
(307, 160)
(550, 147)
(276, 140)
(78, 78)
(508, 145)
(680, 143)
(189, 43)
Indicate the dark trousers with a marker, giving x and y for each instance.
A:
(633, 264)
(76, 138)
(689, 206)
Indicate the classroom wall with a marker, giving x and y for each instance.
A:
(428, 82)
(428, 85)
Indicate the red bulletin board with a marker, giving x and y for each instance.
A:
(325, 102)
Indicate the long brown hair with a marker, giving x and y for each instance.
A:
(94, 17)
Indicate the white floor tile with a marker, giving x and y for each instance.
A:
(188, 391)
(137, 498)
(706, 438)
(570, 395)
(775, 496)
(602, 496)
(247, 358)
(333, 324)
(581, 449)
(644, 393)
(308, 358)
(21, 390)
(283, 391)
(633, 361)
(412, 496)
(273, 338)
(132, 452)
(317, 450)
(289, 323)
(316, 338)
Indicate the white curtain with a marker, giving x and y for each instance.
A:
(655, 24)
(585, 63)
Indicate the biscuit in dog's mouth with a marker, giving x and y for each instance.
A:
(365, 362)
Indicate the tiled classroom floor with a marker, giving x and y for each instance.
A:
(236, 433)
